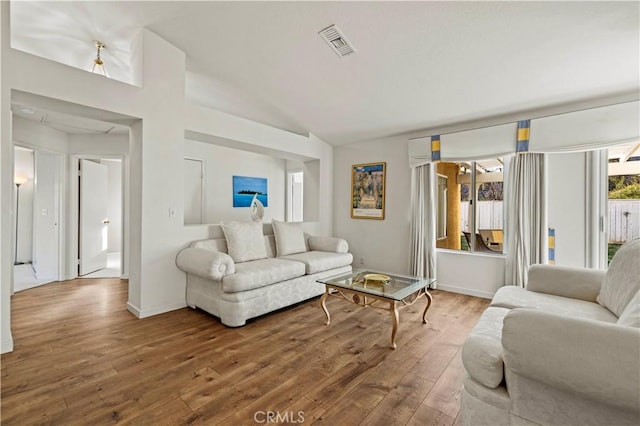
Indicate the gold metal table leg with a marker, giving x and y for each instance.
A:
(323, 300)
(429, 300)
(396, 319)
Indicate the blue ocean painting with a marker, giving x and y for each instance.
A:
(244, 188)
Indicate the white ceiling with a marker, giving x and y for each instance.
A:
(418, 64)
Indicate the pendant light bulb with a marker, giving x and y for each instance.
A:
(98, 63)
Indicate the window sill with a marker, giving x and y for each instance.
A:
(468, 253)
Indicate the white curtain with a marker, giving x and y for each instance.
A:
(423, 221)
(526, 226)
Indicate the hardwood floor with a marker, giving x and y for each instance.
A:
(81, 358)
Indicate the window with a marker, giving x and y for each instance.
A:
(474, 205)
(624, 196)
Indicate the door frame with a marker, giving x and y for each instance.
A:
(74, 212)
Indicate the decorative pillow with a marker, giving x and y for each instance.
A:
(245, 240)
(289, 237)
(631, 314)
(622, 280)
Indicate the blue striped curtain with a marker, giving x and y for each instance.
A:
(524, 128)
(435, 148)
(552, 246)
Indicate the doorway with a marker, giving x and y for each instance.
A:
(100, 232)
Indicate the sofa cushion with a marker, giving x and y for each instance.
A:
(260, 273)
(482, 351)
(245, 240)
(622, 280)
(330, 244)
(289, 237)
(631, 315)
(518, 297)
(318, 261)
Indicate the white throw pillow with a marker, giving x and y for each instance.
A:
(245, 241)
(622, 280)
(289, 237)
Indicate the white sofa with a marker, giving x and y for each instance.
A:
(563, 351)
(236, 290)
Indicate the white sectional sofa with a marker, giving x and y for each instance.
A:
(563, 351)
(248, 274)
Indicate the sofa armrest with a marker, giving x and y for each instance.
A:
(575, 283)
(594, 359)
(329, 244)
(205, 263)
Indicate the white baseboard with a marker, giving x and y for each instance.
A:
(156, 310)
(6, 345)
(133, 309)
(467, 291)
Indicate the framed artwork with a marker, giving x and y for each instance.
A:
(368, 190)
(244, 188)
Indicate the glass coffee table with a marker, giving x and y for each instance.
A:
(379, 291)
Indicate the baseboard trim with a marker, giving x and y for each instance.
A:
(156, 310)
(467, 291)
(133, 309)
(6, 345)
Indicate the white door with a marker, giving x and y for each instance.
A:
(46, 216)
(93, 216)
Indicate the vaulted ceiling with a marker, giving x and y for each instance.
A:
(417, 64)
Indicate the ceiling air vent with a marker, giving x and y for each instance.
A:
(336, 41)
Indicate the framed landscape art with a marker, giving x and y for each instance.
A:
(244, 188)
(368, 190)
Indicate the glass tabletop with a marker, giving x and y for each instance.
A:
(396, 287)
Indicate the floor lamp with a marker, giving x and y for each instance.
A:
(19, 181)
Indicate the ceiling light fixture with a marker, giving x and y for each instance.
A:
(98, 64)
(27, 110)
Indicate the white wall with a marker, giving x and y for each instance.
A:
(380, 244)
(34, 135)
(474, 274)
(7, 197)
(220, 164)
(24, 168)
(99, 145)
(567, 206)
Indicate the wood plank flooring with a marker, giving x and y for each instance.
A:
(81, 358)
